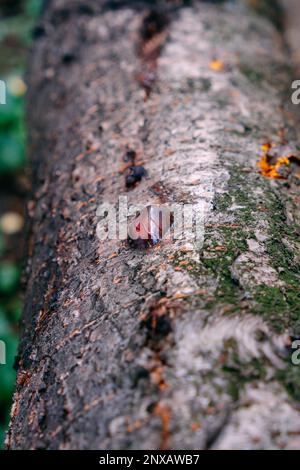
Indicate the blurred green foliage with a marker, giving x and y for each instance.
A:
(12, 134)
(16, 22)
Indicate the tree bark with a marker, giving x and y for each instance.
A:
(176, 346)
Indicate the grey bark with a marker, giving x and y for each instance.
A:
(292, 34)
(175, 347)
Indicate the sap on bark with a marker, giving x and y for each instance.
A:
(150, 226)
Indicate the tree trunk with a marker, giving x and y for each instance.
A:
(177, 346)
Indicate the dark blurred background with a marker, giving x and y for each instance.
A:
(17, 19)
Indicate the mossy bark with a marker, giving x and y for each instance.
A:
(178, 346)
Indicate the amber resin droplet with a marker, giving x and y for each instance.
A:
(150, 226)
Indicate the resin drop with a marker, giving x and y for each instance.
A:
(150, 226)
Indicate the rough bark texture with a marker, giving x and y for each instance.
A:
(175, 346)
(292, 32)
